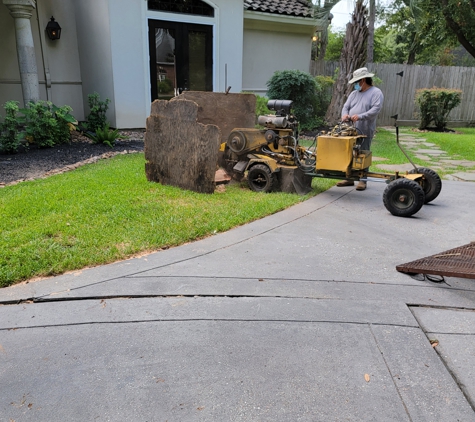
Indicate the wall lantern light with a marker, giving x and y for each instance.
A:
(53, 29)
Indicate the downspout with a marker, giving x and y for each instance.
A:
(42, 38)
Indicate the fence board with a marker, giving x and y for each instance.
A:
(399, 93)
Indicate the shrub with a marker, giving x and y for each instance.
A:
(435, 104)
(104, 135)
(324, 86)
(97, 115)
(165, 86)
(301, 88)
(47, 125)
(9, 136)
(261, 106)
(66, 122)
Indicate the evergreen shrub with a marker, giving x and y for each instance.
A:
(435, 104)
(301, 88)
(9, 129)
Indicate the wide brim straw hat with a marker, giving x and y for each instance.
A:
(359, 74)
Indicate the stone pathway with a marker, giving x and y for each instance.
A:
(436, 158)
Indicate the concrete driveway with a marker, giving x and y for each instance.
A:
(300, 316)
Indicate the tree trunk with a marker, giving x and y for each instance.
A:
(353, 56)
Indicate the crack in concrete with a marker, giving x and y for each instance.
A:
(460, 385)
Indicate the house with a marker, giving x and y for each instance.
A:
(135, 51)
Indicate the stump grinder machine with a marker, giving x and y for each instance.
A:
(273, 160)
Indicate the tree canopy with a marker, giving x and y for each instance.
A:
(432, 32)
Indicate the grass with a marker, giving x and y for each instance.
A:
(108, 211)
(459, 145)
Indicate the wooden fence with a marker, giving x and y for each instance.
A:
(399, 91)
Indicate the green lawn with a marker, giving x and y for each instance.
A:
(460, 145)
(108, 211)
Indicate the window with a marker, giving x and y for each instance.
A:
(190, 7)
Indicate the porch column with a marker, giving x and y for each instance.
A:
(21, 10)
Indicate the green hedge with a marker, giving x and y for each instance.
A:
(435, 104)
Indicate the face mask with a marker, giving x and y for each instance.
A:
(357, 86)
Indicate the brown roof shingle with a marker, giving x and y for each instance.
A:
(301, 8)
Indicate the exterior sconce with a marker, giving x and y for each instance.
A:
(53, 30)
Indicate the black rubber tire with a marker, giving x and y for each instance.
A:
(403, 197)
(260, 178)
(432, 185)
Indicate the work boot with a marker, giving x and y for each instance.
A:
(361, 186)
(345, 183)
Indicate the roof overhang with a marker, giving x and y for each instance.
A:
(273, 22)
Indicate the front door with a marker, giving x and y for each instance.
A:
(180, 58)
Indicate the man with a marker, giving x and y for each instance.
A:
(362, 108)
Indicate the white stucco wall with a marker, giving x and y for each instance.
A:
(104, 48)
(129, 54)
(61, 68)
(229, 45)
(94, 45)
(114, 52)
(57, 61)
(274, 43)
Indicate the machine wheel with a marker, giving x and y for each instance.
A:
(260, 178)
(431, 184)
(403, 197)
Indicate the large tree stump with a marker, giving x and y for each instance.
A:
(179, 151)
(227, 111)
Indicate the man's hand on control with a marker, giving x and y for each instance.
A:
(346, 117)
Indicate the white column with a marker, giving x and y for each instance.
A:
(21, 10)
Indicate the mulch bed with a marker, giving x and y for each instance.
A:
(37, 162)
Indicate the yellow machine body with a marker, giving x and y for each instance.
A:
(338, 153)
(363, 160)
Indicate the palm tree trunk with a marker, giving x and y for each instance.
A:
(353, 56)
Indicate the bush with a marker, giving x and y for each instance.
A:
(435, 104)
(301, 88)
(261, 106)
(47, 125)
(165, 86)
(97, 115)
(104, 135)
(9, 136)
(324, 86)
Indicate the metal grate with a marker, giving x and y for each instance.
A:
(457, 262)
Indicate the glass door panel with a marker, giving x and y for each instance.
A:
(165, 70)
(197, 60)
(180, 58)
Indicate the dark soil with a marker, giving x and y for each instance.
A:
(38, 162)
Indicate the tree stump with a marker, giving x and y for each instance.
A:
(227, 111)
(179, 151)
